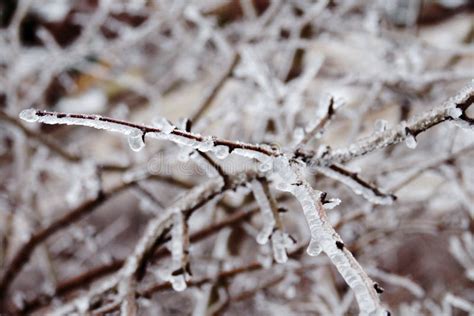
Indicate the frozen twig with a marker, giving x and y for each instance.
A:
(453, 109)
(325, 238)
(156, 229)
(397, 280)
(357, 184)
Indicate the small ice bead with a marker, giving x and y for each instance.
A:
(163, 124)
(135, 140)
(381, 125)
(314, 248)
(29, 115)
(221, 151)
(178, 283)
(410, 141)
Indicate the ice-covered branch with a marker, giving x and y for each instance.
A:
(356, 184)
(22, 256)
(272, 224)
(317, 129)
(137, 133)
(136, 263)
(54, 147)
(453, 109)
(325, 238)
(397, 280)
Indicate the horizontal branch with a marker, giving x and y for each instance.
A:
(453, 109)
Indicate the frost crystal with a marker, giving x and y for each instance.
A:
(135, 140)
(29, 115)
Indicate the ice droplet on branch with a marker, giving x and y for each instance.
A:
(135, 140)
(221, 151)
(314, 248)
(29, 115)
(410, 141)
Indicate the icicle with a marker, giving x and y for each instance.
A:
(163, 124)
(135, 140)
(178, 280)
(29, 115)
(221, 151)
(380, 126)
(280, 241)
(266, 211)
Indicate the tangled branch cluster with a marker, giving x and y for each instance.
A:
(290, 114)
